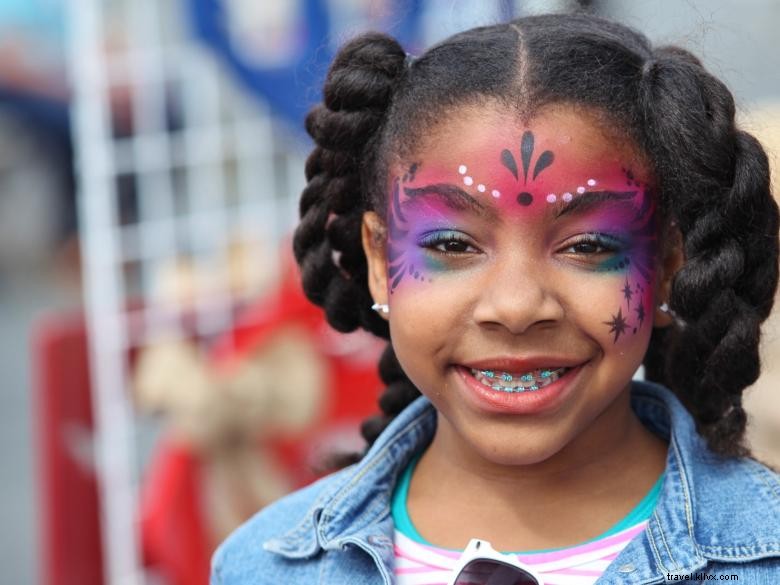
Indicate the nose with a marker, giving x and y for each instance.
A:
(517, 295)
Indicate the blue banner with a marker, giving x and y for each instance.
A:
(281, 50)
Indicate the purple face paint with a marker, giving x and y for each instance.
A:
(528, 189)
(404, 259)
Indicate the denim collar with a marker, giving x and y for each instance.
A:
(355, 507)
(709, 507)
(700, 516)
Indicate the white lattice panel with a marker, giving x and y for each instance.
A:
(197, 171)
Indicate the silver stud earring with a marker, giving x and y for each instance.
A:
(664, 308)
(381, 308)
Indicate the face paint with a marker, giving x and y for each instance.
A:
(637, 264)
(517, 245)
(621, 222)
(404, 260)
(526, 154)
(435, 204)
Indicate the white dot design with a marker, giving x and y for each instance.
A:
(552, 197)
(468, 180)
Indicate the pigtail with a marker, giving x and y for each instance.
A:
(340, 172)
(398, 394)
(715, 185)
(357, 93)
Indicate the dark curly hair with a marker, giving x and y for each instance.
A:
(680, 116)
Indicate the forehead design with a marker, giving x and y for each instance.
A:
(553, 169)
(508, 160)
(544, 160)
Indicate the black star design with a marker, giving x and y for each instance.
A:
(640, 313)
(617, 325)
(628, 293)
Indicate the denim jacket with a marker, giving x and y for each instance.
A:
(715, 517)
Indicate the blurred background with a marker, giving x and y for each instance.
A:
(151, 325)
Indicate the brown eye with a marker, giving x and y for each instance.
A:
(586, 248)
(594, 244)
(453, 246)
(449, 242)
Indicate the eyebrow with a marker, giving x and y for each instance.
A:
(452, 196)
(591, 199)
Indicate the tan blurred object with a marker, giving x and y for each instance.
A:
(762, 400)
(225, 415)
(182, 281)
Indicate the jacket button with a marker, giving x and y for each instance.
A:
(627, 568)
(379, 540)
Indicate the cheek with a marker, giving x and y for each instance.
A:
(410, 265)
(423, 329)
(624, 308)
(630, 301)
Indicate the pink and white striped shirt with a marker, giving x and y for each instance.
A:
(423, 564)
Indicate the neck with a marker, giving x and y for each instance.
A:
(609, 466)
(607, 443)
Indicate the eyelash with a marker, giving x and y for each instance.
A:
(607, 244)
(603, 243)
(431, 241)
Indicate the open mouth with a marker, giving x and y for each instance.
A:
(532, 381)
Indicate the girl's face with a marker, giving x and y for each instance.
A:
(520, 271)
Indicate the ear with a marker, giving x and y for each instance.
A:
(374, 236)
(672, 259)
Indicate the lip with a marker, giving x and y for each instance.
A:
(545, 399)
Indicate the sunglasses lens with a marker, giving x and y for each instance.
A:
(487, 572)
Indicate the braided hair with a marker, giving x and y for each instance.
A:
(712, 182)
(345, 127)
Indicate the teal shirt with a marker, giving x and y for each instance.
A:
(403, 522)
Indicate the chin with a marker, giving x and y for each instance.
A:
(515, 453)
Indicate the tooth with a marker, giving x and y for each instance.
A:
(528, 382)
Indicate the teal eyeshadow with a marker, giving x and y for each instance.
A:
(616, 263)
(433, 264)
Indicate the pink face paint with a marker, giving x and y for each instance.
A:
(430, 204)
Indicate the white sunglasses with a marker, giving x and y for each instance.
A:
(481, 564)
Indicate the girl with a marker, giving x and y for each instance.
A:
(543, 206)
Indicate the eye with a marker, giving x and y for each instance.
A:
(448, 243)
(587, 248)
(593, 245)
